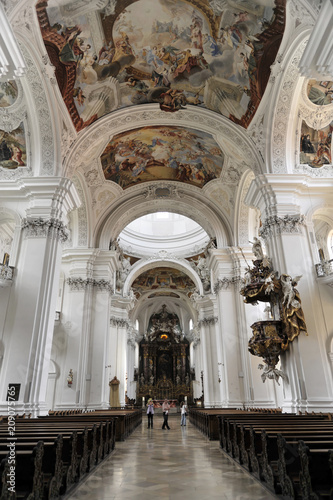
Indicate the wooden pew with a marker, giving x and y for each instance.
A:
(66, 456)
(292, 454)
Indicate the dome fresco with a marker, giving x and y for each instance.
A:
(320, 92)
(8, 93)
(168, 153)
(175, 53)
(163, 277)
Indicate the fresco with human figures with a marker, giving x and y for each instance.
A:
(13, 148)
(316, 146)
(176, 53)
(320, 92)
(163, 277)
(164, 153)
(8, 93)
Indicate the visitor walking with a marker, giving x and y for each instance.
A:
(150, 413)
(165, 408)
(183, 412)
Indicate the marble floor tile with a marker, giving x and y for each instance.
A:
(180, 464)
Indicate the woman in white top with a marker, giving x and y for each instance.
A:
(183, 411)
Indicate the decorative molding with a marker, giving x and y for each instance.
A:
(11, 61)
(299, 11)
(324, 171)
(133, 336)
(224, 283)
(123, 120)
(243, 219)
(41, 228)
(210, 320)
(119, 322)
(82, 215)
(286, 224)
(6, 275)
(80, 284)
(317, 59)
(103, 286)
(279, 133)
(194, 336)
(161, 191)
(42, 111)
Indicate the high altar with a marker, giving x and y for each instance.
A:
(164, 359)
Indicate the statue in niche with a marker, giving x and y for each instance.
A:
(202, 268)
(142, 379)
(187, 379)
(70, 377)
(123, 271)
(257, 249)
(151, 379)
(177, 379)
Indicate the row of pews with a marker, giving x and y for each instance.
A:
(51, 454)
(291, 454)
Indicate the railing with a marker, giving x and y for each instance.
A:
(324, 268)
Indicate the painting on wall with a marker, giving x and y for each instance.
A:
(162, 153)
(163, 277)
(315, 146)
(320, 92)
(172, 52)
(13, 148)
(8, 93)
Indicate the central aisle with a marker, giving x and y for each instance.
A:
(178, 464)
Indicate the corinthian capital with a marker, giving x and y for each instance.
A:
(43, 228)
(280, 225)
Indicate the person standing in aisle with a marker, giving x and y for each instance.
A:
(165, 408)
(183, 412)
(150, 413)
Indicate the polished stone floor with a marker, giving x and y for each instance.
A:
(179, 463)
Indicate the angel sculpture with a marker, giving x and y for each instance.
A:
(289, 296)
(271, 373)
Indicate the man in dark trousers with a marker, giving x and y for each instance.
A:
(150, 413)
(165, 408)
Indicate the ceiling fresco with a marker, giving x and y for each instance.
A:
(320, 92)
(315, 145)
(172, 52)
(163, 277)
(162, 153)
(13, 148)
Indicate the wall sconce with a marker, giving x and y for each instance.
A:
(70, 378)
